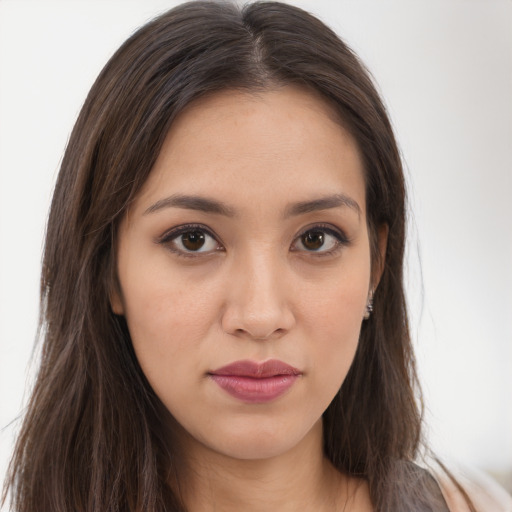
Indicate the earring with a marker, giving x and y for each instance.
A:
(369, 306)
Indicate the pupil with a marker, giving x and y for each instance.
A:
(193, 240)
(313, 240)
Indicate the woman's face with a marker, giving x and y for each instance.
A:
(244, 269)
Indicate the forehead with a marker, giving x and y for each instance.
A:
(285, 143)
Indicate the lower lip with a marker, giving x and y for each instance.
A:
(255, 390)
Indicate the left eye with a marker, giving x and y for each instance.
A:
(193, 241)
(320, 240)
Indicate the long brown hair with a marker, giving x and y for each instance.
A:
(92, 436)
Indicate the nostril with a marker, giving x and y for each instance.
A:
(257, 313)
(258, 336)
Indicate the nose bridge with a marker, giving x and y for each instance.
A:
(261, 270)
(259, 304)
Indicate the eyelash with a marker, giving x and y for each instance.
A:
(167, 238)
(341, 240)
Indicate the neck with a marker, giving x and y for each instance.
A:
(300, 479)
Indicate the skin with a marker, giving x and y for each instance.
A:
(255, 291)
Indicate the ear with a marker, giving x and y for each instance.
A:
(116, 302)
(382, 244)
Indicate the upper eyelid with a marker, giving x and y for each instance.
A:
(170, 235)
(184, 228)
(342, 240)
(329, 228)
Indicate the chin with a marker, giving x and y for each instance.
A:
(262, 441)
(256, 448)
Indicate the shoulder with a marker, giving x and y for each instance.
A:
(485, 494)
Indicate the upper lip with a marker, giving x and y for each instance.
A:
(255, 369)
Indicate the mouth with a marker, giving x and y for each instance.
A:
(256, 382)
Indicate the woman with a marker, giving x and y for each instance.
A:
(225, 325)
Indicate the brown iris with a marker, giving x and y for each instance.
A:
(313, 240)
(193, 240)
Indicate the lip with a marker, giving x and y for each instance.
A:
(256, 382)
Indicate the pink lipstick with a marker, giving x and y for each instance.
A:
(254, 382)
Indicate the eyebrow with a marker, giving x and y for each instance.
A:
(198, 203)
(207, 205)
(322, 203)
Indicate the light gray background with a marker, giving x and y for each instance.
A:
(445, 70)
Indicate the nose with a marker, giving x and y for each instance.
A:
(258, 305)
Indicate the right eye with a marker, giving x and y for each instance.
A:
(190, 240)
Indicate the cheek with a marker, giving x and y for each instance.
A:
(165, 319)
(168, 332)
(337, 337)
(168, 318)
(332, 320)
